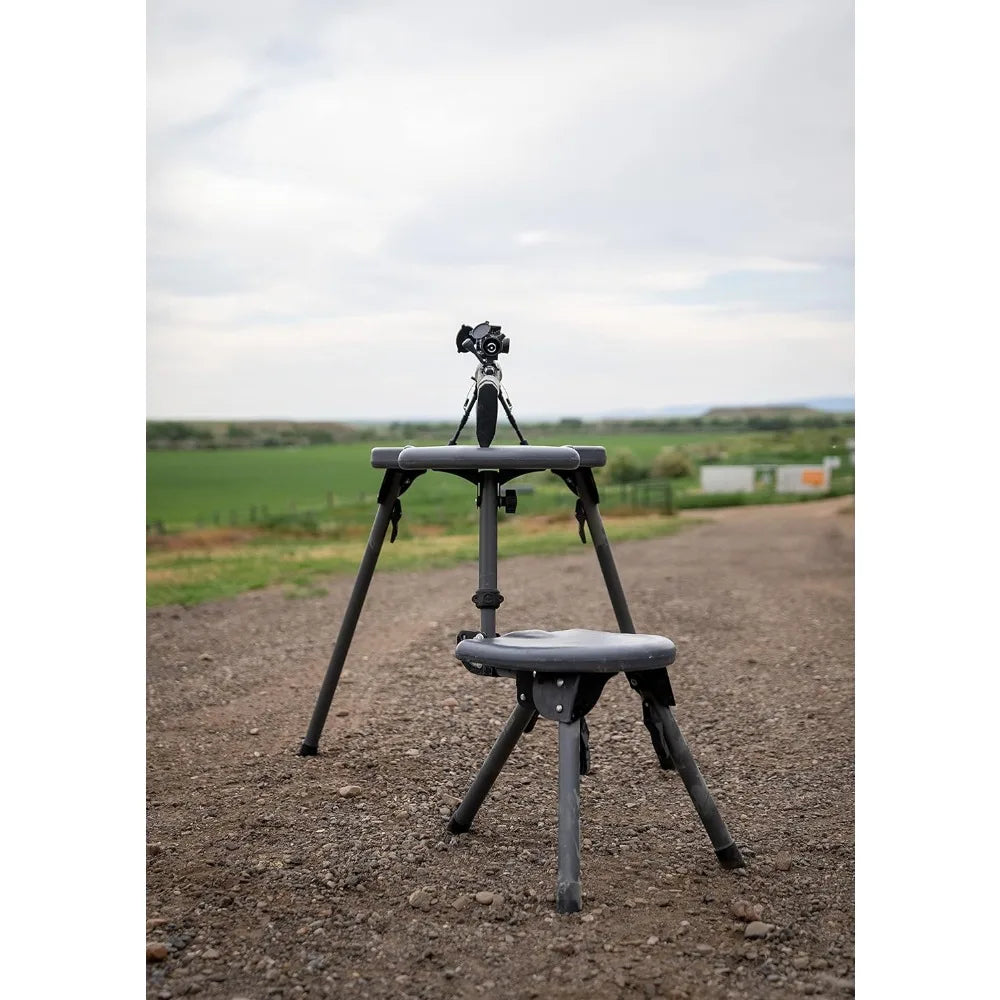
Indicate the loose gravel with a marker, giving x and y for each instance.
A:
(274, 876)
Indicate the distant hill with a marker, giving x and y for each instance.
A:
(822, 404)
(185, 434)
(749, 412)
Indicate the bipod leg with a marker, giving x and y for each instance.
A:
(392, 487)
(469, 403)
(653, 696)
(508, 409)
(463, 816)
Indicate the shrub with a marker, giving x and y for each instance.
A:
(624, 467)
(672, 463)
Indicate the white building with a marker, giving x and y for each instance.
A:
(803, 479)
(727, 478)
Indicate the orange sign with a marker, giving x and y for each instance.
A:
(813, 477)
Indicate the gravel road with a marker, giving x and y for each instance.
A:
(275, 876)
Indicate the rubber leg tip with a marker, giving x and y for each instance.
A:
(308, 750)
(454, 826)
(730, 857)
(568, 898)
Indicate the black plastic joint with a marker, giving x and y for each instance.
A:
(487, 599)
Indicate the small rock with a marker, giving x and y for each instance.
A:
(783, 861)
(156, 922)
(743, 910)
(420, 899)
(210, 953)
(153, 849)
(341, 713)
(484, 897)
(800, 962)
(652, 939)
(155, 951)
(254, 731)
(450, 703)
(412, 752)
(349, 791)
(757, 929)
(205, 657)
(847, 985)
(461, 902)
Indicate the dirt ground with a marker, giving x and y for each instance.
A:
(264, 881)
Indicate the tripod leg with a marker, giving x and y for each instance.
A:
(725, 848)
(568, 899)
(463, 816)
(387, 497)
(587, 491)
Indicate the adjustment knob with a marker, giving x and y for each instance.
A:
(508, 501)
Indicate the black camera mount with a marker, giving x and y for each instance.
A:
(487, 343)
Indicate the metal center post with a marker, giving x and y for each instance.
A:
(488, 598)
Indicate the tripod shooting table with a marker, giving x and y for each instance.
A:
(560, 675)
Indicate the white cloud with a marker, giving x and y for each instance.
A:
(326, 177)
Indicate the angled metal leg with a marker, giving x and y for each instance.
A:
(725, 847)
(568, 898)
(463, 816)
(391, 488)
(586, 489)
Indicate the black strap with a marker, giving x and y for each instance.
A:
(582, 519)
(394, 517)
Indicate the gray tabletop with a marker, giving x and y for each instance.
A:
(502, 457)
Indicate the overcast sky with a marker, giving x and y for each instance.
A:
(653, 197)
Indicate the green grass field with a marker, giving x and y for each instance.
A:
(185, 488)
(237, 520)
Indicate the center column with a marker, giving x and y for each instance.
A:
(488, 598)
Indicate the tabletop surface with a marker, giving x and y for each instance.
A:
(523, 457)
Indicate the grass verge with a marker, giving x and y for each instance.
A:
(213, 566)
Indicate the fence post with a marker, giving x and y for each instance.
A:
(668, 498)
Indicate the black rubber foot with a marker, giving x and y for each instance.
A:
(730, 857)
(455, 827)
(568, 898)
(308, 750)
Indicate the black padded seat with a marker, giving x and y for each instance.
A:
(574, 650)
